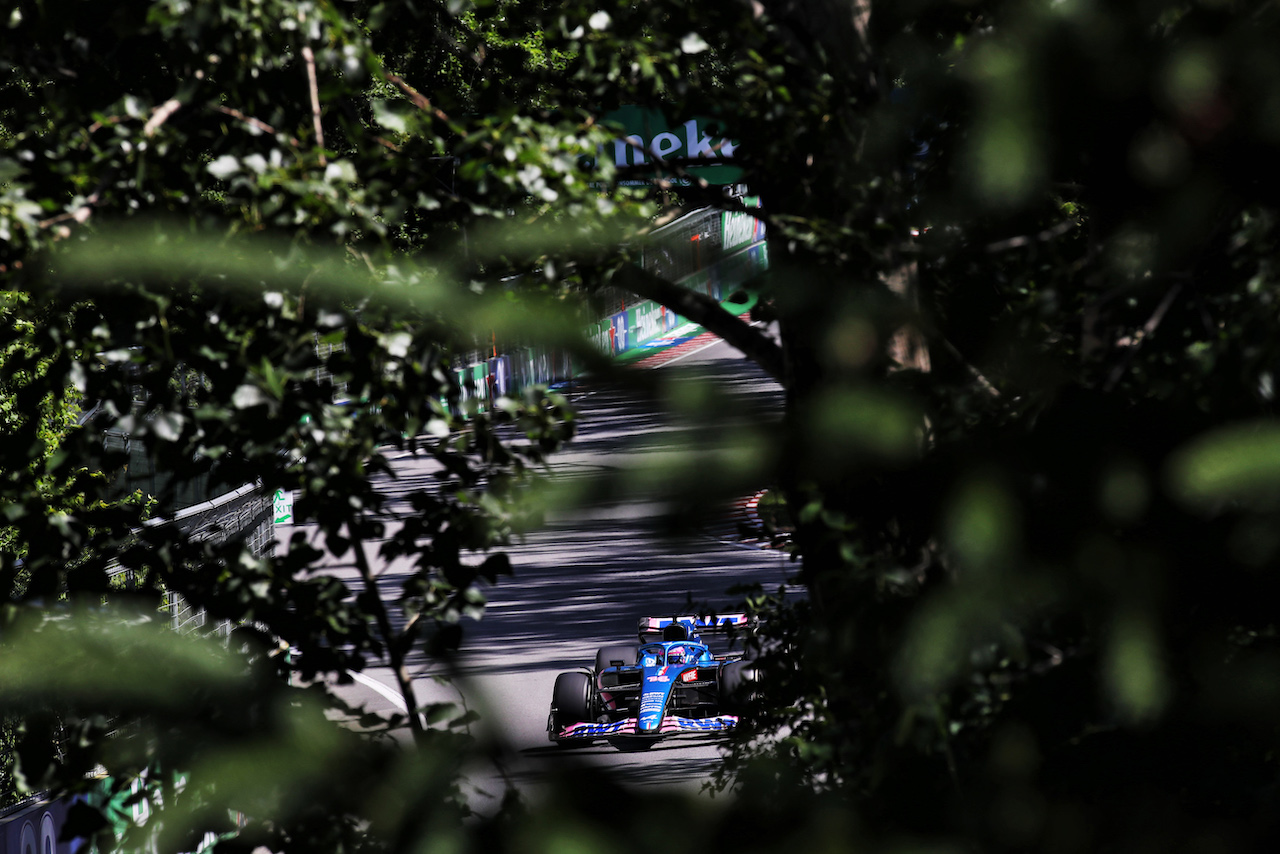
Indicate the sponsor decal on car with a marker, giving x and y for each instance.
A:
(689, 676)
(651, 707)
(670, 726)
(652, 704)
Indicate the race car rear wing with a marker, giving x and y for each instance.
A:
(651, 628)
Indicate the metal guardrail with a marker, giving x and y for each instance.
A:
(245, 513)
(674, 251)
(241, 513)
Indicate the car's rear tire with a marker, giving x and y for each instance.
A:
(571, 700)
(738, 684)
(609, 654)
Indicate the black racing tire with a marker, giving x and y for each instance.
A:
(608, 654)
(738, 684)
(571, 699)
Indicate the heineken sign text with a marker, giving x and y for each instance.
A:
(649, 139)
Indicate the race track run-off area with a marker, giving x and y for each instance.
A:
(582, 581)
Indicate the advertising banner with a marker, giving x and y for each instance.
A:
(695, 144)
(651, 321)
(740, 229)
(601, 334)
(621, 341)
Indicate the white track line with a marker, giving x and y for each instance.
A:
(391, 695)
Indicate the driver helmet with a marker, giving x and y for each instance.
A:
(676, 655)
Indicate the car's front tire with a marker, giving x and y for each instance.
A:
(570, 700)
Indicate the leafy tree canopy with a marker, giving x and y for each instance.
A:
(1023, 274)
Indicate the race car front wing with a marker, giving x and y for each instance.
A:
(671, 725)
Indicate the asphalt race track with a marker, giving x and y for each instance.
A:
(581, 582)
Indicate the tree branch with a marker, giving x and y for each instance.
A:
(309, 55)
(252, 122)
(395, 649)
(419, 100)
(706, 312)
(1027, 239)
(159, 116)
(1147, 330)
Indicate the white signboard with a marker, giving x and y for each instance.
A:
(282, 505)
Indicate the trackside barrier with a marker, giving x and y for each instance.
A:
(482, 382)
(246, 513)
(32, 826)
(710, 251)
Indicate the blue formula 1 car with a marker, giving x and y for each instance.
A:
(670, 684)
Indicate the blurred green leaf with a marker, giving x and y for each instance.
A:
(1135, 672)
(1240, 462)
(866, 425)
(105, 656)
(983, 527)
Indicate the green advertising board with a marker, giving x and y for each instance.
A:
(650, 139)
